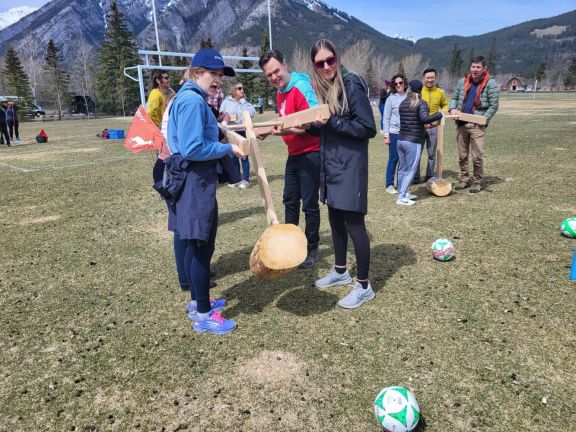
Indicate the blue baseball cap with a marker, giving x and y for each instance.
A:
(209, 58)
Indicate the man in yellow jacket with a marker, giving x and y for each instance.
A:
(157, 97)
(436, 100)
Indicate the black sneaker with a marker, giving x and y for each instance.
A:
(310, 260)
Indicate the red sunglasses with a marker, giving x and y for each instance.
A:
(330, 61)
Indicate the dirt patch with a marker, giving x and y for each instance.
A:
(39, 220)
(272, 367)
(47, 155)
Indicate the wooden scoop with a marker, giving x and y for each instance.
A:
(439, 186)
(281, 247)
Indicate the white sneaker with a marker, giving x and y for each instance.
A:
(243, 184)
(333, 278)
(233, 185)
(405, 202)
(391, 190)
(357, 296)
(411, 196)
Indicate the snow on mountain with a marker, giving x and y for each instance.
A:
(408, 38)
(12, 15)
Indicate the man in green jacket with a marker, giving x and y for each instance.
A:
(477, 93)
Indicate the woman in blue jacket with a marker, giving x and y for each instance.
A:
(344, 167)
(193, 210)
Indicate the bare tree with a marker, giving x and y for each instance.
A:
(414, 66)
(31, 57)
(300, 61)
(383, 67)
(357, 57)
(83, 75)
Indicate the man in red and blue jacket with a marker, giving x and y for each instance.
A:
(302, 173)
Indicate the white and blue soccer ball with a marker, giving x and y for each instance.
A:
(396, 409)
(568, 227)
(443, 249)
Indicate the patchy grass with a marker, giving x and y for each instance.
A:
(94, 334)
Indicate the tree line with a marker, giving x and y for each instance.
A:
(97, 75)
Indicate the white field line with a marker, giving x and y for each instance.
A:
(72, 165)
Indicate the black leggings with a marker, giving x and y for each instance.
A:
(348, 223)
(4, 132)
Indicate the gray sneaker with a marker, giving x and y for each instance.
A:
(310, 260)
(333, 278)
(357, 296)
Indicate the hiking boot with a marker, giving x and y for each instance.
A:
(213, 323)
(475, 188)
(461, 185)
(405, 202)
(357, 296)
(215, 304)
(310, 260)
(333, 278)
(391, 190)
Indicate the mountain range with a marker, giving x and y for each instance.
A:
(233, 24)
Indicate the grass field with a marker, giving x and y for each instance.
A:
(94, 336)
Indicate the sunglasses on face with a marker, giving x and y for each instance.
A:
(166, 78)
(320, 64)
(399, 83)
(239, 88)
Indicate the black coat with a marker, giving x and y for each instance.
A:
(344, 151)
(412, 121)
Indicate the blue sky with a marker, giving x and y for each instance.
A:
(428, 18)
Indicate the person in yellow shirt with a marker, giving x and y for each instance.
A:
(157, 97)
(436, 100)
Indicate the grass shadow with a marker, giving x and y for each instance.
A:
(387, 259)
(295, 293)
(233, 216)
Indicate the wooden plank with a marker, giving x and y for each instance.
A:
(469, 118)
(256, 125)
(306, 116)
(236, 138)
(260, 172)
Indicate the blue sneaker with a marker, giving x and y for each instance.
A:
(214, 323)
(215, 304)
(18, 139)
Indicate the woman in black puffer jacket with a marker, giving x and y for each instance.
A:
(414, 114)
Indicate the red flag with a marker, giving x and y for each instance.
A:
(143, 133)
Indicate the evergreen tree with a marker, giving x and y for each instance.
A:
(456, 63)
(15, 80)
(401, 68)
(57, 79)
(118, 93)
(206, 43)
(472, 55)
(492, 57)
(570, 79)
(540, 72)
(248, 80)
(261, 86)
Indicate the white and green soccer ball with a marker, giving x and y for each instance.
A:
(443, 250)
(568, 227)
(396, 409)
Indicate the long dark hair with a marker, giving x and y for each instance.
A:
(329, 92)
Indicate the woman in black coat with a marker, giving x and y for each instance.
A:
(344, 167)
(414, 114)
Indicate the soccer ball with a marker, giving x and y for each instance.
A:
(396, 409)
(568, 227)
(443, 250)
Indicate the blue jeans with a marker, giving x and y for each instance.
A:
(409, 154)
(245, 167)
(392, 159)
(302, 183)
